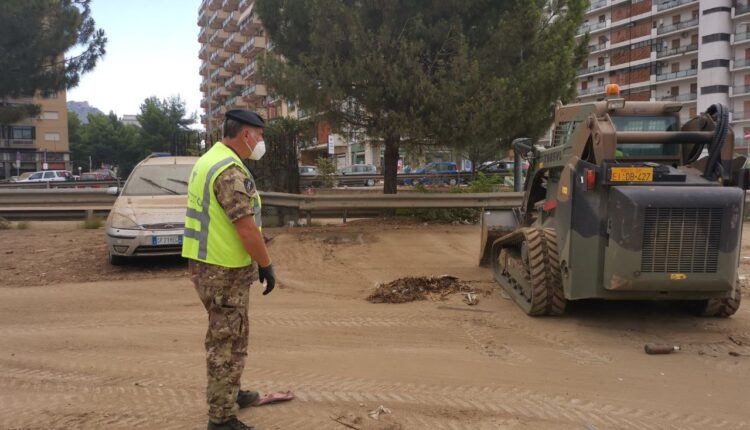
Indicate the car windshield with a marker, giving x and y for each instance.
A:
(646, 124)
(158, 180)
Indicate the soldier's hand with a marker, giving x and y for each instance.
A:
(265, 274)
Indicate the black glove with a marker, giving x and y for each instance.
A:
(265, 274)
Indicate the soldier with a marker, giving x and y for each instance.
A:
(226, 252)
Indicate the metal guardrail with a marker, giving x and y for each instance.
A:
(79, 203)
(462, 176)
(60, 184)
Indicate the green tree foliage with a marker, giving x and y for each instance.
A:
(35, 35)
(106, 140)
(426, 71)
(164, 123)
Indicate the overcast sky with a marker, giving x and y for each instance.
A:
(152, 51)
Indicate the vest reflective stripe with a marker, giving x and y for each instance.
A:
(204, 217)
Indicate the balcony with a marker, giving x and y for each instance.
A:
(592, 90)
(218, 58)
(203, 17)
(234, 43)
(218, 111)
(740, 116)
(204, 69)
(677, 27)
(217, 19)
(590, 28)
(204, 102)
(204, 85)
(684, 98)
(254, 93)
(741, 37)
(671, 4)
(231, 23)
(740, 90)
(590, 70)
(219, 92)
(253, 46)
(741, 63)
(218, 39)
(676, 75)
(248, 71)
(234, 63)
(250, 25)
(677, 51)
(741, 8)
(244, 4)
(203, 53)
(596, 5)
(235, 82)
(597, 48)
(18, 143)
(214, 4)
(203, 35)
(219, 73)
(229, 5)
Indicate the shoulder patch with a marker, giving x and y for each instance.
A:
(249, 186)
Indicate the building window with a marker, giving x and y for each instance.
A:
(50, 115)
(52, 137)
(49, 94)
(22, 133)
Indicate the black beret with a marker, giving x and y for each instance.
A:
(245, 117)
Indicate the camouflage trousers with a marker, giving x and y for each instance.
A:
(224, 293)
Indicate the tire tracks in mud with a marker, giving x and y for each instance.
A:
(138, 406)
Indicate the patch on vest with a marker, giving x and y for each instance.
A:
(250, 186)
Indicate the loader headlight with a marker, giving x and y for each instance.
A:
(613, 104)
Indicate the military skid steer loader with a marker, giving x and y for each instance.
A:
(624, 205)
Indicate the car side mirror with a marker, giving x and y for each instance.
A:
(113, 191)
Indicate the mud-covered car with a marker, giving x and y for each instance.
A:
(148, 217)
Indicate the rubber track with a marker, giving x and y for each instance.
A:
(556, 295)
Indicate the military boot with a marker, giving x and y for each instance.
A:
(232, 424)
(247, 398)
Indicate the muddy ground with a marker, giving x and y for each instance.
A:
(86, 345)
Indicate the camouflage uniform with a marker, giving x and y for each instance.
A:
(224, 293)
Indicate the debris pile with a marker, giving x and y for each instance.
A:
(411, 289)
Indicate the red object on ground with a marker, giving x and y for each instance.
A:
(278, 396)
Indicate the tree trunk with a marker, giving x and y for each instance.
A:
(390, 169)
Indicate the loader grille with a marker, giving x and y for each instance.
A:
(681, 240)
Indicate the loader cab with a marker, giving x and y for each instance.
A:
(646, 123)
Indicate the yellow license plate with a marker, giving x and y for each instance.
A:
(632, 174)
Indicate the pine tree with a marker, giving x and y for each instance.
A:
(420, 72)
(35, 36)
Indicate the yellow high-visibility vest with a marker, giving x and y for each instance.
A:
(210, 236)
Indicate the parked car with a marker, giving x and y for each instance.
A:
(48, 176)
(98, 175)
(437, 172)
(502, 166)
(20, 177)
(358, 170)
(308, 171)
(148, 217)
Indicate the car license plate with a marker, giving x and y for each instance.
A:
(166, 240)
(632, 174)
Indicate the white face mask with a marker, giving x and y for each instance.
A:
(257, 153)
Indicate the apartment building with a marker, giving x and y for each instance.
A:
(694, 52)
(37, 143)
(232, 40)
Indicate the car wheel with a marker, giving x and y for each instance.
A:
(453, 181)
(116, 260)
(369, 182)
